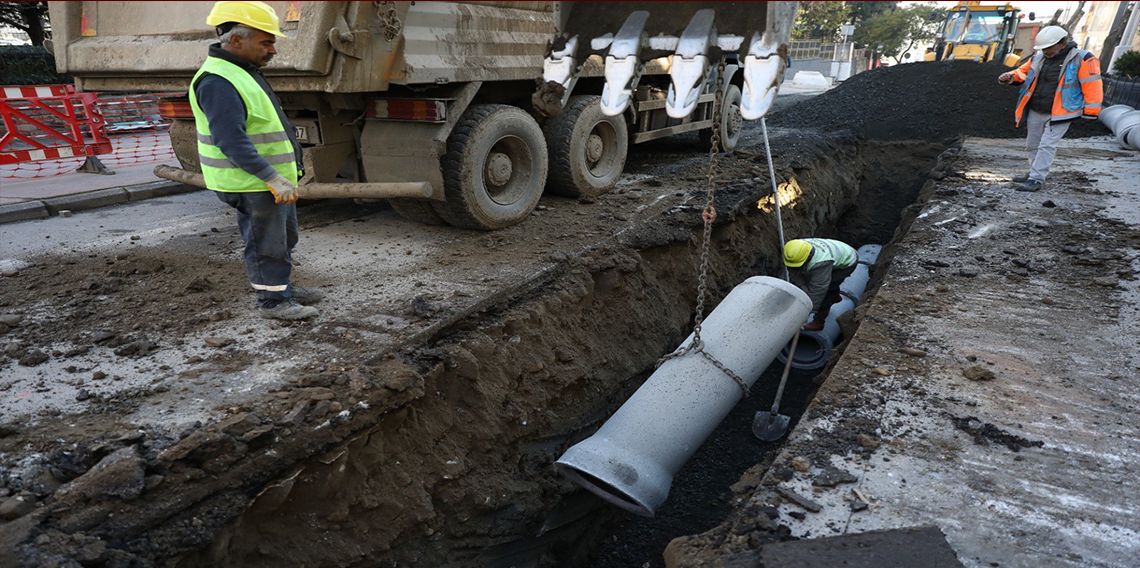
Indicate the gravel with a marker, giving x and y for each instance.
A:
(933, 101)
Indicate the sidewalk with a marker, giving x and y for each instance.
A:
(38, 190)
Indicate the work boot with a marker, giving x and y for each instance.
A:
(288, 310)
(1029, 185)
(1020, 179)
(306, 296)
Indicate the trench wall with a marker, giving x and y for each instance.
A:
(462, 475)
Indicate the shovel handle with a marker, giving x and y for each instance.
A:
(787, 369)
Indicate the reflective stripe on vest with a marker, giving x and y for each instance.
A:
(1070, 100)
(262, 124)
(827, 250)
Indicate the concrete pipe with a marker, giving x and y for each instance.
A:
(631, 460)
(1124, 122)
(1126, 128)
(814, 347)
(415, 190)
(1109, 115)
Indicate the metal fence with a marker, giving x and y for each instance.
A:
(807, 49)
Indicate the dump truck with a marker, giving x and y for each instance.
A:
(457, 113)
(977, 32)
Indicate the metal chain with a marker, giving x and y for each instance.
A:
(389, 22)
(709, 215)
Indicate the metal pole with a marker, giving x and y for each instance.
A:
(775, 191)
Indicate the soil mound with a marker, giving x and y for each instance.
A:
(926, 101)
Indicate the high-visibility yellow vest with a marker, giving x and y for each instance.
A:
(828, 250)
(261, 124)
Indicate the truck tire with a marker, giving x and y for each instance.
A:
(587, 149)
(418, 210)
(731, 123)
(494, 169)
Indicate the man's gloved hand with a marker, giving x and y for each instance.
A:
(1006, 77)
(284, 191)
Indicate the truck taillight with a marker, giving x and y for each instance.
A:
(175, 109)
(393, 109)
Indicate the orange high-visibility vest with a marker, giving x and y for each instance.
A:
(1079, 91)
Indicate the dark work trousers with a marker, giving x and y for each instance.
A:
(837, 278)
(269, 230)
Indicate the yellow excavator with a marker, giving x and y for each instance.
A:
(977, 32)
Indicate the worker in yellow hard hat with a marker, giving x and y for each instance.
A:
(249, 153)
(818, 267)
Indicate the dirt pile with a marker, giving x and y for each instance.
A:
(926, 101)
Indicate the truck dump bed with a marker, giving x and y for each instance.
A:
(334, 47)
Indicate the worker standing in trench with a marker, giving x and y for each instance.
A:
(1060, 84)
(249, 153)
(818, 267)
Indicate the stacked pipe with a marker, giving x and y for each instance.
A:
(814, 347)
(1124, 122)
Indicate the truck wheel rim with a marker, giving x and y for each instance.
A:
(600, 151)
(734, 120)
(499, 169)
(507, 170)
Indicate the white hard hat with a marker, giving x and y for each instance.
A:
(1050, 36)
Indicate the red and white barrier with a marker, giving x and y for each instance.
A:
(49, 122)
(51, 130)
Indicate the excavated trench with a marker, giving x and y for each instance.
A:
(463, 475)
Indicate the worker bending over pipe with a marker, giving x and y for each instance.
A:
(818, 267)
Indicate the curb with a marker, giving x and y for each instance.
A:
(50, 207)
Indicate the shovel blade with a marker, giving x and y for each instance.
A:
(770, 427)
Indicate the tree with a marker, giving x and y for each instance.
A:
(1071, 23)
(863, 11)
(897, 30)
(28, 17)
(1116, 33)
(820, 20)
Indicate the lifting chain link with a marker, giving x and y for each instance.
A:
(390, 24)
(709, 215)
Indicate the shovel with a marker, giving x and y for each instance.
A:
(771, 426)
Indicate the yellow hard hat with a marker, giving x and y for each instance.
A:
(796, 252)
(257, 15)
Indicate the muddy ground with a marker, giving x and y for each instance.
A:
(149, 420)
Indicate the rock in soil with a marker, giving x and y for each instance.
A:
(120, 475)
(33, 357)
(16, 507)
(978, 373)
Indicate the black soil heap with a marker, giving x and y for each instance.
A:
(932, 101)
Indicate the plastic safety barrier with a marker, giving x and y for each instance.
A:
(50, 122)
(131, 122)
